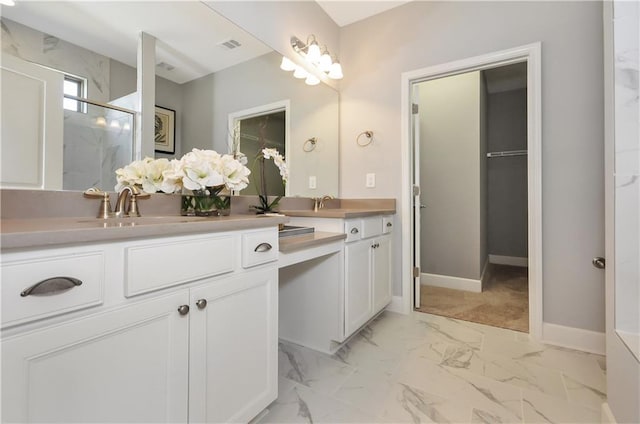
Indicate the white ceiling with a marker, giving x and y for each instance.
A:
(347, 12)
(188, 32)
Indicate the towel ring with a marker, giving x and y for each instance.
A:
(310, 144)
(368, 134)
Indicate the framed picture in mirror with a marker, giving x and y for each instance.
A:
(165, 130)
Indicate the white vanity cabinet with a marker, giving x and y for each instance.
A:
(367, 270)
(142, 347)
(129, 364)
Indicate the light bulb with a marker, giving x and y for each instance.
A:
(313, 52)
(312, 80)
(287, 65)
(115, 124)
(325, 62)
(126, 126)
(300, 72)
(336, 71)
(101, 122)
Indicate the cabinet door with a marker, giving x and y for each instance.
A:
(126, 365)
(234, 347)
(381, 273)
(357, 284)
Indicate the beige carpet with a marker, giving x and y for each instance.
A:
(503, 303)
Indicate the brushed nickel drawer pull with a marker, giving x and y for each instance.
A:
(51, 286)
(263, 247)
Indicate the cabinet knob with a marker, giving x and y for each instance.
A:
(354, 231)
(183, 309)
(201, 303)
(389, 224)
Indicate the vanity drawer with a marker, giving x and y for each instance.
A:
(387, 224)
(371, 227)
(53, 297)
(161, 264)
(353, 230)
(259, 247)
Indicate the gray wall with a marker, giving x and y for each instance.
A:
(314, 113)
(450, 142)
(169, 95)
(508, 175)
(421, 34)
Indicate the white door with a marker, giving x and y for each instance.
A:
(358, 302)
(417, 205)
(234, 348)
(127, 365)
(31, 145)
(381, 273)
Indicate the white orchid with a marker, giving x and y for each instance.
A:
(279, 161)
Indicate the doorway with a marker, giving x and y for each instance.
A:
(473, 182)
(529, 56)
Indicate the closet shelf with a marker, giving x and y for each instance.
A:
(507, 153)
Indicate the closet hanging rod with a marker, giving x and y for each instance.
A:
(508, 153)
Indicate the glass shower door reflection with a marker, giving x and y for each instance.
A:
(97, 141)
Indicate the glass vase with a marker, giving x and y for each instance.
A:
(205, 202)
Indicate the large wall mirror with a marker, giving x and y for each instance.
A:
(207, 70)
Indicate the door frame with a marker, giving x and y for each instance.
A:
(234, 118)
(531, 54)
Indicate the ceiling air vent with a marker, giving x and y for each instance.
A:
(166, 66)
(229, 44)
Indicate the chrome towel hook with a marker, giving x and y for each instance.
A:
(368, 134)
(310, 144)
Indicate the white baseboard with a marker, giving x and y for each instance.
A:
(606, 416)
(508, 260)
(397, 305)
(574, 338)
(449, 282)
(485, 275)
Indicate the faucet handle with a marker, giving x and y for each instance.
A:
(105, 210)
(133, 202)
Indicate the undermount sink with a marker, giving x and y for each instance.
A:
(141, 220)
(292, 230)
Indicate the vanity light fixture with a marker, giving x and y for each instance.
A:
(300, 72)
(321, 59)
(286, 64)
(312, 80)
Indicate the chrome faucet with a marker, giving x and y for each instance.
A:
(131, 209)
(318, 202)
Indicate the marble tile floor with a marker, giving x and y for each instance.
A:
(427, 368)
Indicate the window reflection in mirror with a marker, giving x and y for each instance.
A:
(257, 133)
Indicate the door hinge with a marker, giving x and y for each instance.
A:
(414, 108)
(416, 190)
(416, 272)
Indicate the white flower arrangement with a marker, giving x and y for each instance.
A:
(278, 159)
(196, 170)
